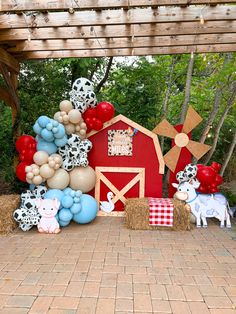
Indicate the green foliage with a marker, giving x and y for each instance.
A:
(137, 89)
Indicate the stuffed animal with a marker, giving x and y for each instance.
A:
(48, 209)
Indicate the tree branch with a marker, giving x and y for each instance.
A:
(104, 79)
(228, 156)
(187, 88)
(229, 105)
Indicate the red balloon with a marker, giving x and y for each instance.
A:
(206, 174)
(218, 179)
(27, 156)
(213, 185)
(216, 166)
(97, 124)
(203, 189)
(90, 113)
(213, 190)
(25, 142)
(89, 123)
(105, 111)
(20, 171)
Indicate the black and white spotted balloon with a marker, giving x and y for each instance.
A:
(75, 152)
(82, 95)
(189, 172)
(27, 214)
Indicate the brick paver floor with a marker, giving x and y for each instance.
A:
(105, 268)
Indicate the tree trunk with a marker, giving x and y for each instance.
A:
(104, 79)
(165, 102)
(187, 89)
(216, 105)
(228, 156)
(229, 105)
(214, 111)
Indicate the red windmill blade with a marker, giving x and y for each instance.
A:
(164, 128)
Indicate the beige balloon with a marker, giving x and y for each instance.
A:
(37, 180)
(46, 171)
(57, 158)
(60, 180)
(83, 179)
(57, 115)
(40, 157)
(82, 132)
(74, 116)
(70, 128)
(65, 105)
(29, 175)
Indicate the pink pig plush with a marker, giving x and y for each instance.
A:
(48, 210)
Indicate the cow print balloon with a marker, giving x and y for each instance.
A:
(74, 153)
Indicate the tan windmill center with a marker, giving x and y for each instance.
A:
(181, 140)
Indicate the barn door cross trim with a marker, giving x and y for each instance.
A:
(119, 195)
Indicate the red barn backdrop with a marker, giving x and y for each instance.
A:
(136, 175)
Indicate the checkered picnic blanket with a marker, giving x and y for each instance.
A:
(160, 212)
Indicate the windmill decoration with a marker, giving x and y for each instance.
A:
(181, 140)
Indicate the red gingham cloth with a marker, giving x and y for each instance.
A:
(160, 212)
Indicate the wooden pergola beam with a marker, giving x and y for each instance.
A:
(9, 61)
(45, 5)
(119, 17)
(115, 31)
(126, 52)
(128, 42)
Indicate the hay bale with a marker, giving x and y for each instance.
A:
(137, 215)
(8, 203)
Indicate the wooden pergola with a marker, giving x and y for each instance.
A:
(41, 29)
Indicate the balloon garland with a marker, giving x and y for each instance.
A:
(58, 158)
(208, 176)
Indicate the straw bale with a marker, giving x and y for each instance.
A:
(137, 215)
(8, 203)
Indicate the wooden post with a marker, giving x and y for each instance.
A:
(9, 95)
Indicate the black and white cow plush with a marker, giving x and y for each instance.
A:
(75, 152)
(27, 215)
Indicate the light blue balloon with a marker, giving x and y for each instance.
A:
(65, 214)
(67, 201)
(37, 129)
(67, 191)
(75, 209)
(78, 193)
(50, 148)
(49, 126)
(89, 210)
(54, 193)
(61, 141)
(76, 199)
(43, 121)
(63, 223)
(72, 193)
(60, 131)
(55, 123)
(47, 135)
(54, 130)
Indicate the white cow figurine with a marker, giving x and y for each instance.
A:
(203, 205)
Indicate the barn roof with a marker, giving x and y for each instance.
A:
(140, 128)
